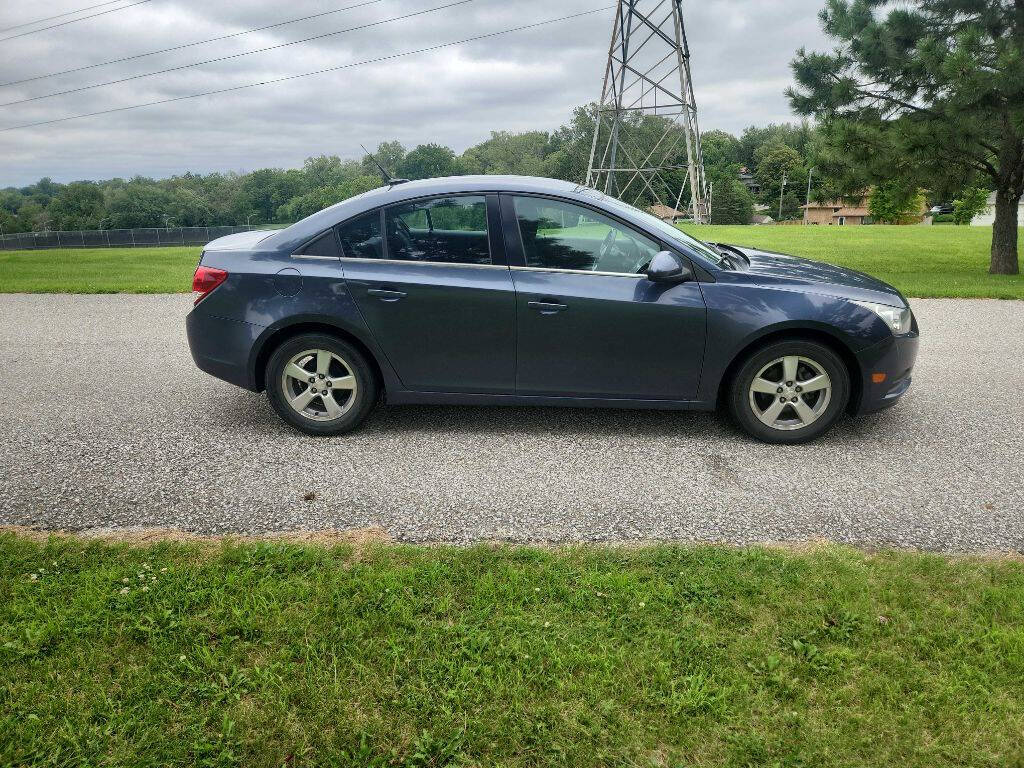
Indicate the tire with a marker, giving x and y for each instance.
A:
(337, 368)
(806, 413)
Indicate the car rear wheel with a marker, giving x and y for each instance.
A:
(789, 391)
(320, 384)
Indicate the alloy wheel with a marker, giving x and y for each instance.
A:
(319, 384)
(790, 393)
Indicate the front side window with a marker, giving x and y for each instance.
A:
(666, 230)
(560, 235)
(360, 237)
(447, 230)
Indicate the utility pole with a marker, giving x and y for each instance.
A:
(807, 208)
(648, 75)
(248, 220)
(782, 191)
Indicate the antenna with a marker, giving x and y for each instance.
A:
(388, 179)
(646, 146)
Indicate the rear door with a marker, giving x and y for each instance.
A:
(434, 287)
(589, 323)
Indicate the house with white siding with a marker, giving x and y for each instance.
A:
(988, 216)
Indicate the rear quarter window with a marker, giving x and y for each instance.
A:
(325, 246)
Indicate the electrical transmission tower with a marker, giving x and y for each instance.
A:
(646, 145)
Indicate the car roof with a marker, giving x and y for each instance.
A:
(297, 234)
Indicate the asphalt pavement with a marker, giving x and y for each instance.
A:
(106, 424)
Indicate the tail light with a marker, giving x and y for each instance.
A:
(206, 279)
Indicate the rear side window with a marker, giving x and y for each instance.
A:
(360, 238)
(325, 246)
(446, 230)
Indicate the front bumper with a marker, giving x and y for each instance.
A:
(894, 357)
(222, 347)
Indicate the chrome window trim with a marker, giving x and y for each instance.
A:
(315, 257)
(358, 260)
(578, 272)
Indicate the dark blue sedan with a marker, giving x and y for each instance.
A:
(527, 291)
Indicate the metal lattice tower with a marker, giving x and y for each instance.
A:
(646, 140)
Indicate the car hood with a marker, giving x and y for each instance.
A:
(240, 241)
(822, 278)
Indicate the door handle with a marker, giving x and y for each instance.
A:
(386, 295)
(547, 307)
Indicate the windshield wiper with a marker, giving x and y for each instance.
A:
(729, 251)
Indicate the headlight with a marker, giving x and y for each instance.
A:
(899, 319)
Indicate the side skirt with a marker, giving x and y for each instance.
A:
(405, 397)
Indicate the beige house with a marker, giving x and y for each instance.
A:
(837, 213)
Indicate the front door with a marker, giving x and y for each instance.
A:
(436, 300)
(589, 323)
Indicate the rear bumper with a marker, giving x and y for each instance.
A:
(222, 347)
(894, 357)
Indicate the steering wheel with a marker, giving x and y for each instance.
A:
(402, 233)
(606, 244)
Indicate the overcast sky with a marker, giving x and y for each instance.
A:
(524, 80)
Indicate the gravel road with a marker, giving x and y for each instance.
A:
(106, 423)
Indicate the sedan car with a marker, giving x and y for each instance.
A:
(528, 291)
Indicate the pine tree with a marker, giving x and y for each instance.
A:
(934, 86)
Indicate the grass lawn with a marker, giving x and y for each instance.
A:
(99, 270)
(920, 261)
(274, 654)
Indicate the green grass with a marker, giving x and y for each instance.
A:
(270, 654)
(99, 270)
(920, 261)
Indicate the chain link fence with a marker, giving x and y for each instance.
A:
(146, 237)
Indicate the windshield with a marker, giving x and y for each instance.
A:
(666, 229)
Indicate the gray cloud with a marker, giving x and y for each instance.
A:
(525, 80)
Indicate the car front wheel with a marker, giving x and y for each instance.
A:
(789, 391)
(320, 384)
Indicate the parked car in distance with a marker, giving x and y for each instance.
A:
(520, 290)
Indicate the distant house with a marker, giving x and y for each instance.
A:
(663, 212)
(761, 218)
(747, 180)
(988, 216)
(837, 213)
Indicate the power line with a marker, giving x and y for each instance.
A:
(189, 45)
(236, 55)
(57, 16)
(287, 78)
(75, 21)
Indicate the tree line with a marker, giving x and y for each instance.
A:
(282, 196)
(279, 195)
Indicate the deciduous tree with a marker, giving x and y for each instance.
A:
(894, 203)
(971, 202)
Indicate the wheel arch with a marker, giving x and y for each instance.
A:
(792, 333)
(274, 337)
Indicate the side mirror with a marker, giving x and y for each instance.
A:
(666, 267)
